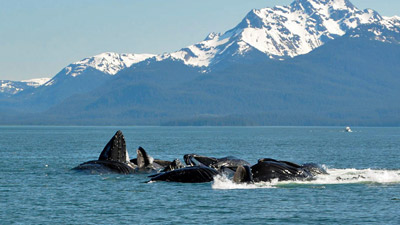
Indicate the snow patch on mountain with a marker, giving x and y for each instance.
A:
(36, 82)
(109, 63)
(391, 23)
(14, 87)
(9, 87)
(200, 54)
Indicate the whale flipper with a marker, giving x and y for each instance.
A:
(115, 150)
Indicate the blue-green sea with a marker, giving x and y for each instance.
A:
(37, 185)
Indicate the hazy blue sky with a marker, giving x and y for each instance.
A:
(40, 37)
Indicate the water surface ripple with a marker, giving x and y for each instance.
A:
(37, 185)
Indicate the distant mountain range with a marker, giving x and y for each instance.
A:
(9, 88)
(314, 62)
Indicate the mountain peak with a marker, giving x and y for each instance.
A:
(108, 62)
(282, 32)
(321, 3)
(36, 82)
(288, 31)
(212, 36)
(8, 87)
(322, 6)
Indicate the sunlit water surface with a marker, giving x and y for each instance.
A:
(37, 185)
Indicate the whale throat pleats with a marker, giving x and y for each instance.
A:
(115, 150)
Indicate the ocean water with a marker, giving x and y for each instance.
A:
(37, 185)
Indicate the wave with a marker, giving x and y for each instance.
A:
(335, 176)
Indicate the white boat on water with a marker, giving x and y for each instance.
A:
(348, 129)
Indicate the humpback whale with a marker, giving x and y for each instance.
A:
(220, 164)
(268, 169)
(146, 164)
(192, 174)
(200, 169)
(243, 175)
(174, 165)
(114, 158)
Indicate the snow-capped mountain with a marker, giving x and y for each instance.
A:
(376, 32)
(13, 87)
(312, 59)
(109, 63)
(283, 31)
(279, 33)
(81, 77)
(36, 82)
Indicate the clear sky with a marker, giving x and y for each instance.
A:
(40, 37)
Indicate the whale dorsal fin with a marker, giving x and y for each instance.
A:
(115, 150)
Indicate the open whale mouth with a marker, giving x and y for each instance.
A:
(190, 160)
(198, 160)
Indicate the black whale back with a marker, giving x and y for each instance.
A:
(267, 170)
(193, 174)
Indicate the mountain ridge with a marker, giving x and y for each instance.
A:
(204, 53)
(284, 65)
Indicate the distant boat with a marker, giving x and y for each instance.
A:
(348, 129)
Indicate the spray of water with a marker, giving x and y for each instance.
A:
(335, 176)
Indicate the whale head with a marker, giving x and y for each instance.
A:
(143, 159)
(115, 150)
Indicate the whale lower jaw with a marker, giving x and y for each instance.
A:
(193, 174)
(106, 166)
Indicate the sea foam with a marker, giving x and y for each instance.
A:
(335, 176)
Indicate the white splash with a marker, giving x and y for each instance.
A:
(223, 182)
(347, 176)
(335, 176)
